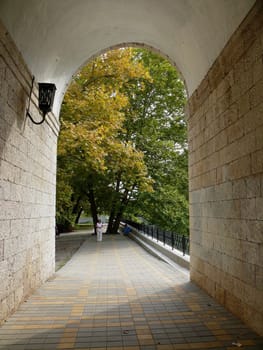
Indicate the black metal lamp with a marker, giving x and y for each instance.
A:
(45, 99)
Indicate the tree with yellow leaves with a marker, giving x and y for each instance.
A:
(123, 143)
(97, 164)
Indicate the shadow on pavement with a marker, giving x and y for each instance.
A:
(112, 295)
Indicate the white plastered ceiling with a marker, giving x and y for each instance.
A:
(56, 37)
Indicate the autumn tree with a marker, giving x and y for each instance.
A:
(123, 145)
(106, 170)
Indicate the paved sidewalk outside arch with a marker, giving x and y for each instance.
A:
(113, 295)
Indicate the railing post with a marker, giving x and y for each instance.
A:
(183, 244)
(178, 241)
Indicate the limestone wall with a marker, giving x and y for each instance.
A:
(226, 175)
(27, 184)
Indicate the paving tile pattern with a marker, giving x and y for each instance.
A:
(113, 295)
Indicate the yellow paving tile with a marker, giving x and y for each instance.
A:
(65, 346)
(205, 345)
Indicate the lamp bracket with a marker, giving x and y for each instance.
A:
(28, 107)
(45, 100)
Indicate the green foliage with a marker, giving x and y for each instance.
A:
(101, 167)
(155, 121)
(123, 144)
(64, 216)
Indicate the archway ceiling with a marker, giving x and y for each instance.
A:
(57, 37)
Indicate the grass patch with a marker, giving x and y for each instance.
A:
(79, 227)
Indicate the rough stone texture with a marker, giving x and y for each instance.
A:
(226, 178)
(190, 33)
(27, 184)
(226, 174)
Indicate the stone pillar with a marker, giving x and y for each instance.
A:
(226, 174)
(27, 184)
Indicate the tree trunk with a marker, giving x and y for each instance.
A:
(78, 215)
(111, 221)
(77, 209)
(113, 207)
(116, 222)
(115, 218)
(93, 208)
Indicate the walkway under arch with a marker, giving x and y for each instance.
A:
(217, 46)
(113, 295)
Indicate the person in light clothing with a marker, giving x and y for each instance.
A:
(99, 230)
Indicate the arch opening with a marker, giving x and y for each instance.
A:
(225, 133)
(127, 44)
(155, 99)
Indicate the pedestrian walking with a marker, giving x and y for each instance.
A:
(99, 230)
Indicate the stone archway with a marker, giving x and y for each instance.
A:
(223, 74)
(55, 38)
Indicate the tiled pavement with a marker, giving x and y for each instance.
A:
(114, 295)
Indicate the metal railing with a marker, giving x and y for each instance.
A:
(172, 239)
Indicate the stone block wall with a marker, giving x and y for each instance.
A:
(27, 184)
(226, 174)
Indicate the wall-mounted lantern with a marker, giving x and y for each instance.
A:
(45, 99)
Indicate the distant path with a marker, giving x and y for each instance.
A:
(68, 243)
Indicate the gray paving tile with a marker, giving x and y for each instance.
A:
(117, 295)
